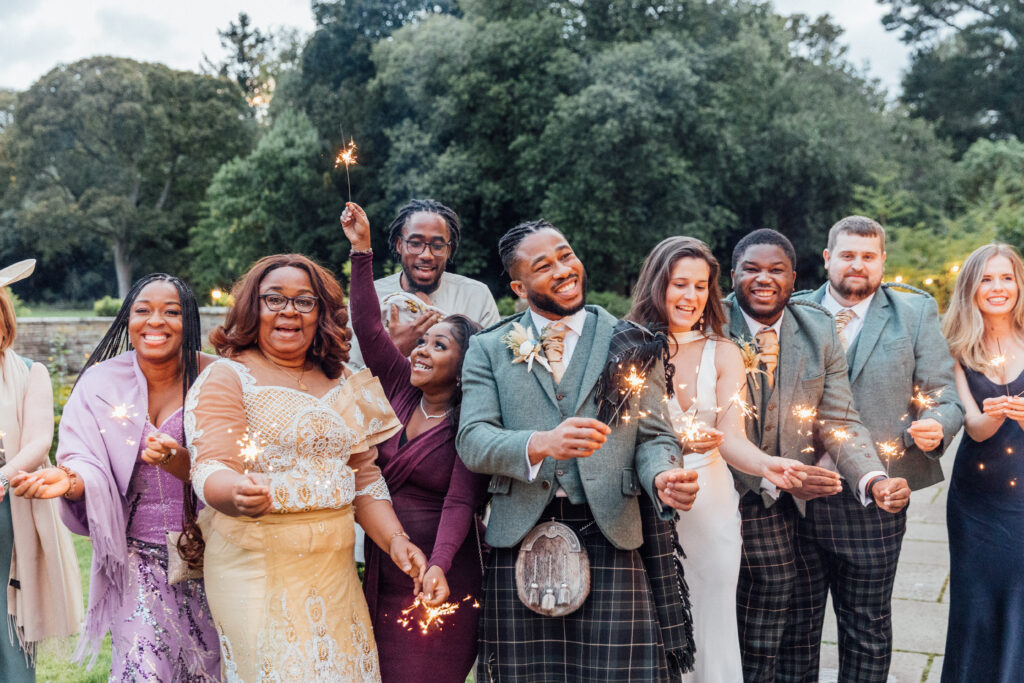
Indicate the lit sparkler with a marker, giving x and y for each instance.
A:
(347, 156)
(433, 617)
(250, 449)
(635, 382)
(890, 451)
(746, 409)
(690, 428)
(842, 435)
(806, 414)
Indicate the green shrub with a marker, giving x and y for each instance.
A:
(506, 306)
(614, 303)
(20, 309)
(108, 306)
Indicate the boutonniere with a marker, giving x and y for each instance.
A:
(525, 347)
(751, 360)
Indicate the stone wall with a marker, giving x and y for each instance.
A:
(71, 340)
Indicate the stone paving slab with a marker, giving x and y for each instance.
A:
(917, 581)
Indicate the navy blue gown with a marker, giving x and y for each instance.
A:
(985, 517)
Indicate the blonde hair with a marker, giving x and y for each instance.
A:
(964, 325)
(8, 325)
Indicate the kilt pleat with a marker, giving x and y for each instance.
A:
(613, 637)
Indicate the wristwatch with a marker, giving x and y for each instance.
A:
(5, 482)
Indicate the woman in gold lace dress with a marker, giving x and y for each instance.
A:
(282, 438)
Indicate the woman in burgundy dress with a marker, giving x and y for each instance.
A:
(433, 494)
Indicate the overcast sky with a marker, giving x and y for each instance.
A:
(36, 35)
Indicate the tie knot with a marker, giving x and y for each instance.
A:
(553, 341)
(843, 318)
(556, 330)
(767, 339)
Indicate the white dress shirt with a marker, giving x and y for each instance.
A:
(574, 324)
(754, 328)
(852, 329)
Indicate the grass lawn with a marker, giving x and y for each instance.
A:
(43, 311)
(54, 663)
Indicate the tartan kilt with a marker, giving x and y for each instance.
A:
(614, 636)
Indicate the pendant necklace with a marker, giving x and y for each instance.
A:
(428, 415)
(298, 380)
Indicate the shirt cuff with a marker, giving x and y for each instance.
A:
(862, 486)
(770, 489)
(531, 470)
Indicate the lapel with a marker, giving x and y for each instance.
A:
(874, 322)
(540, 373)
(597, 355)
(739, 331)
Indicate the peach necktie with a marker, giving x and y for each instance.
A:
(768, 352)
(554, 348)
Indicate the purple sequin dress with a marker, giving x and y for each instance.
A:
(163, 632)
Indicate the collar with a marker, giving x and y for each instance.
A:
(832, 306)
(574, 322)
(756, 327)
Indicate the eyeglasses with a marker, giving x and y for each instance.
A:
(416, 246)
(278, 302)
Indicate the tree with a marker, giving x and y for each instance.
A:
(118, 152)
(274, 200)
(967, 73)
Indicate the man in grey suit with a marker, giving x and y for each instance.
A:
(532, 426)
(895, 350)
(800, 395)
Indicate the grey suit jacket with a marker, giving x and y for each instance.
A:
(503, 403)
(900, 347)
(811, 372)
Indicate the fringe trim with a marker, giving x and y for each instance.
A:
(17, 632)
(632, 347)
(100, 612)
(683, 658)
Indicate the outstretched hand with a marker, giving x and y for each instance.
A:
(785, 473)
(356, 226)
(51, 482)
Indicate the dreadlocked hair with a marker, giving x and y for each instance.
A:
(415, 206)
(116, 341)
(510, 241)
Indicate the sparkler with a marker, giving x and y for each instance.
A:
(999, 364)
(747, 410)
(250, 449)
(890, 451)
(690, 428)
(433, 617)
(842, 435)
(347, 156)
(635, 381)
(806, 414)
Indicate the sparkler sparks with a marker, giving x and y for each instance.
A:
(250, 449)
(806, 414)
(635, 381)
(890, 451)
(747, 410)
(347, 156)
(433, 617)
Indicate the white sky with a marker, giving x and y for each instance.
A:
(36, 35)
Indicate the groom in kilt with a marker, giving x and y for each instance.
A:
(529, 409)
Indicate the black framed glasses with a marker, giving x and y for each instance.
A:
(416, 246)
(278, 302)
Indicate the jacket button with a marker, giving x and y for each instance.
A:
(560, 397)
(771, 406)
(769, 428)
(559, 472)
(545, 485)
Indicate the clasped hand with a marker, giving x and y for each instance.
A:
(927, 433)
(1000, 407)
(160, 448)
(816, 483)
(576, 437)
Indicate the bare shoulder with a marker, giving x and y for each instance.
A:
(205, 359)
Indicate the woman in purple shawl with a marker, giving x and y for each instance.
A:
(121, 470)
(434, 495)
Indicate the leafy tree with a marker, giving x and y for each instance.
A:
(967, 72)
(273, 200)
(115, 152)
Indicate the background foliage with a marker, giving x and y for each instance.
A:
(620, 121)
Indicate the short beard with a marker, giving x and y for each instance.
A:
(850, 293)
(744, 302)
(542, 302)
(416, 287)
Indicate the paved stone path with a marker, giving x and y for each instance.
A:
(920, 599)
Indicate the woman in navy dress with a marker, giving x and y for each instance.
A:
(985, 509)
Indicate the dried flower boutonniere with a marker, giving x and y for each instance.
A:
(751, 360)
(525, 347)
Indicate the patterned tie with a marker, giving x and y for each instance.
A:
(768, 352)
(553, 341)
(843, 319)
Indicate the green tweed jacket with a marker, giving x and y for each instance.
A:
(900, 349)
(503, 403)
(811, 372)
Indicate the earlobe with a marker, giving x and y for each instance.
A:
(518, 289)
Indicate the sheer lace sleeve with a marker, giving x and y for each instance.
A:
(214, 423)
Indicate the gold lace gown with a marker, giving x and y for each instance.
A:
(283, 588)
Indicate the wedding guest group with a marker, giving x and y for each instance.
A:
(559, 495)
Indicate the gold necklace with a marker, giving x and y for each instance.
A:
(280, 367)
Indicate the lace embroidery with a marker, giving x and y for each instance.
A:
(201, 472)
(377, 490)
(227, 658)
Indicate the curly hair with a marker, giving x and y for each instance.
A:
(240, 330)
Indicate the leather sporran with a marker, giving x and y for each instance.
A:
(552, 570)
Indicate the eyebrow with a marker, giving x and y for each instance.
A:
(168, 302)
(442, 336)
(275, 289)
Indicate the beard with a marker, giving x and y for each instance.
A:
(852, 292)
(744, 302)
(543, 302)
(428, 288)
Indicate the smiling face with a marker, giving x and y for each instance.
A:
(435, 360)
(687, 293)
(423, 270)
(855, 265)
(286, 335)
(547, 273)
(998, 289)
(155, 323)
(763, 282)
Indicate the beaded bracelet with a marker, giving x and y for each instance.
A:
(72, 477)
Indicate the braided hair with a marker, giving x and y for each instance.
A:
(510, 241)
(116, 341)
(415, 206)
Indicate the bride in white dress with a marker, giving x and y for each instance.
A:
(678, 290)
